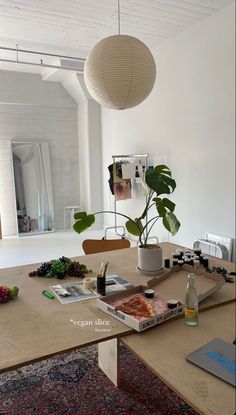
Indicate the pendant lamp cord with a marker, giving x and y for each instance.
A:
(119, 17)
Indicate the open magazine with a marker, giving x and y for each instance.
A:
(75, 291)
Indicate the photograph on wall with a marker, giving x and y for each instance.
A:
(117, 172)
(128, 170)
(122, 190)
(140, 171)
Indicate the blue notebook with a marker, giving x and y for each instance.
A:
(218, 358)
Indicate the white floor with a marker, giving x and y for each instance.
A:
(38, 248)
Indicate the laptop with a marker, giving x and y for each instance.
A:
(218, 358)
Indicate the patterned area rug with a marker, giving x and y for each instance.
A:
(72, 383)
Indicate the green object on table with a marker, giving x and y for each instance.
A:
(48, 294)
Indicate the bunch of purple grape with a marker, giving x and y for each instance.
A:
(77, 270)
(4, 295)
(7, 293)
(44, 269)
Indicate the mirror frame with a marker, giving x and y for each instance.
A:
(48, 185)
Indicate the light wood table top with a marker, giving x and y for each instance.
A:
(32, 327)
(163, 350)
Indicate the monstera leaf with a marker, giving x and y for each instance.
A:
(164, 206)
(84, 221)
(171, 223)
(165, 209)
(134, 227)
(160, 180)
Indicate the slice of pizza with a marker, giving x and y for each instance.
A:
(137, 306)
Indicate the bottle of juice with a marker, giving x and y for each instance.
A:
(191, 302)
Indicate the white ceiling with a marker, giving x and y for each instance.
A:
(72, 27)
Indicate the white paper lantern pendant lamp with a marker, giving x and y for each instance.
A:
(120, 71)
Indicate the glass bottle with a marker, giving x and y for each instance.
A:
(191, 302)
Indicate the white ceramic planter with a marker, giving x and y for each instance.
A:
(150, 258)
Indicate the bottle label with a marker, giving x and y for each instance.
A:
(190, 312)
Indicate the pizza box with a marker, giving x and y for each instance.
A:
(209, 283)
(138, 323)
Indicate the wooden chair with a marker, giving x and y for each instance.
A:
(92, 246)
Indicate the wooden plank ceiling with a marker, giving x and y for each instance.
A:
(72, 27)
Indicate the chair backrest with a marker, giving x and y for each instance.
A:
(92, 246)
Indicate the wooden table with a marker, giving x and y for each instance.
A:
(164, 349)
(33, 327)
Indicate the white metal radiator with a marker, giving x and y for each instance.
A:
(215, 245)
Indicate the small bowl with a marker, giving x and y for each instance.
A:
(149, 293)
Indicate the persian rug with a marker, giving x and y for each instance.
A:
(73, 383)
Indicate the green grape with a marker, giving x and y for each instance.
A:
(65, 260)
(57, 269)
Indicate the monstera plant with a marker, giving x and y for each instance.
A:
(159, 183)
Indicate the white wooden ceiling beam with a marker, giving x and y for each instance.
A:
(72, 27)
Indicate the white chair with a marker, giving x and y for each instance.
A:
(70, 211)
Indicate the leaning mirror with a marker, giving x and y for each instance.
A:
(33, 188)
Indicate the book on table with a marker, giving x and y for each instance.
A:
(216, 357)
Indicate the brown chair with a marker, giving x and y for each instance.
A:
(92, 246)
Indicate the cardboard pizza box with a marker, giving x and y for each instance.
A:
(170, 285)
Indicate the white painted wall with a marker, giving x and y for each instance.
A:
(34, 110)
(188, 121)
